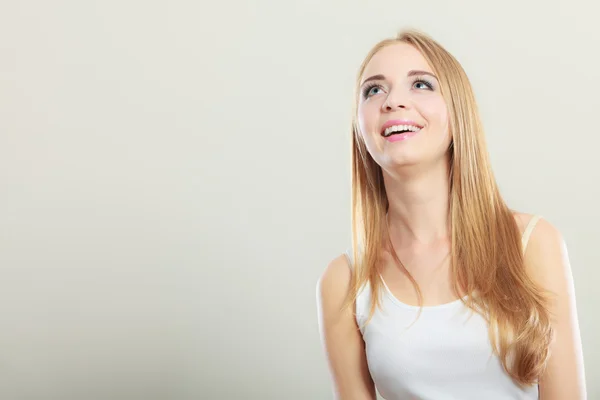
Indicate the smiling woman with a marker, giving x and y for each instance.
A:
(447, 292)
(395, 129)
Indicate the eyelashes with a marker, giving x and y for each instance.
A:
(366, 92)
(367, 89)
(424, 81)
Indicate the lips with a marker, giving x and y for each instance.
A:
(395, 126)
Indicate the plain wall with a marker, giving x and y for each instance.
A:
(176, 176)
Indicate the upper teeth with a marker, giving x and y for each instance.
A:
(397, 128)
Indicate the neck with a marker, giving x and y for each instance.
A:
(419, 204)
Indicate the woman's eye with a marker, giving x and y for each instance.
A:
(422, 85)
(372, 91)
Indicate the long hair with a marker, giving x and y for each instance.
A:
(487, 261)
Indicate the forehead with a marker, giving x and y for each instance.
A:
(396, 60)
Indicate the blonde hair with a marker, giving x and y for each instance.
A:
(487, 260)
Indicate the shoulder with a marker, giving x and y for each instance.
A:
(522, 220)
(545, 236)
(546, 257)
(332, 290)
(547, 264)
(340, 333)
(334, 280)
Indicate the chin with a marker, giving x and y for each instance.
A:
(404, 155)
(403, 158)
(404, 161)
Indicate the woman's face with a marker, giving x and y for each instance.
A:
(402, 115)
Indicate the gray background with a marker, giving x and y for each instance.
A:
(176, 175)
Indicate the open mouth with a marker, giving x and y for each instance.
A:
(399, 130)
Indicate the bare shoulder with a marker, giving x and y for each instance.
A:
(546, 236)
(547, 263)
(522, 220)
(341, 338)
(546, 257)
(334, 282)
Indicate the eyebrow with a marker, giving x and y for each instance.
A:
(413, 72)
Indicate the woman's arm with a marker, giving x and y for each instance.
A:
(341, 338)
(547, 261)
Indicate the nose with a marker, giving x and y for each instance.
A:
(395, 101)
(389, 107)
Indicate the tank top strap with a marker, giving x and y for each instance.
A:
(348, 254)
(527, 233)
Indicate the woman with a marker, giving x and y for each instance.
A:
(448, 293)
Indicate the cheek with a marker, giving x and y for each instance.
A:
(367, 119)
(436, 112)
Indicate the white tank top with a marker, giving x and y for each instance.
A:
(446, 354)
